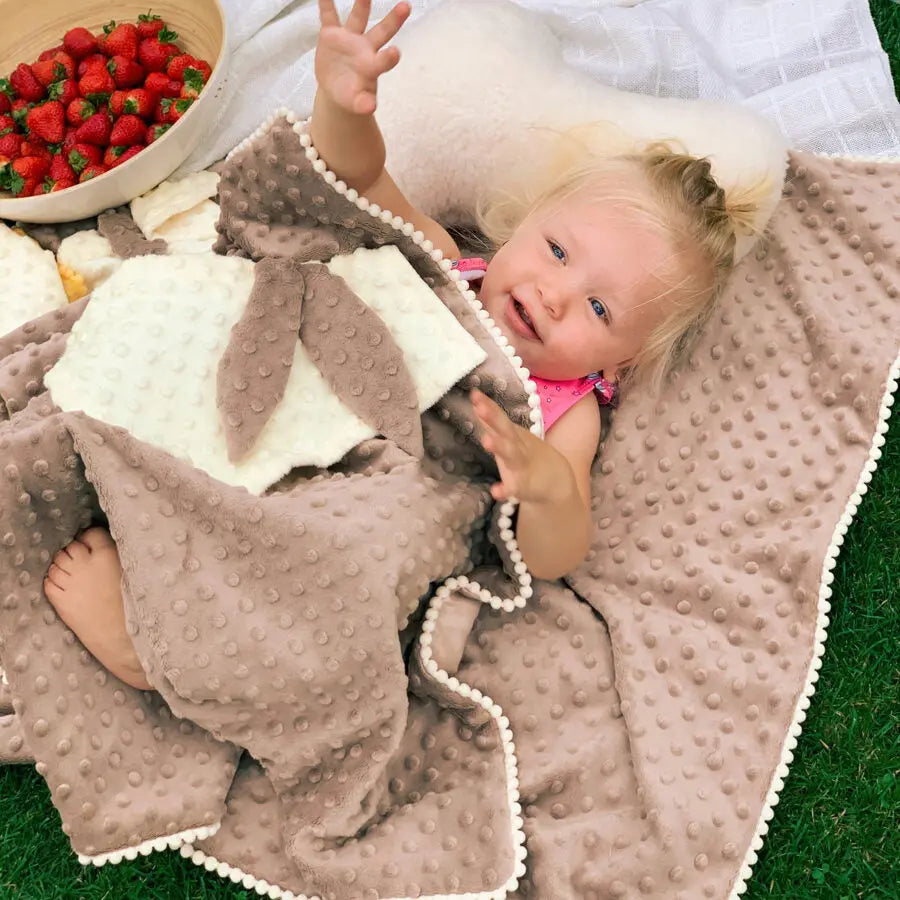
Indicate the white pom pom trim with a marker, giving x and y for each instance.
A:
(822, 621)
(145, 848)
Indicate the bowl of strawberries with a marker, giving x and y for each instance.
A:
(100, 102)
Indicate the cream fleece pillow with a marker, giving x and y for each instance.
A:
(477, 75)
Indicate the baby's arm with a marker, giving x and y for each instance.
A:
(349, 62)
(550, 479)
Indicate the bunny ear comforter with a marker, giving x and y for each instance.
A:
(279, 438)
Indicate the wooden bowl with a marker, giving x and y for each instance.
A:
(30, 28)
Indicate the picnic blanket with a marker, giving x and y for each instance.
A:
(623, 733)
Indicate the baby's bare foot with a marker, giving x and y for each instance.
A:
(84, 586)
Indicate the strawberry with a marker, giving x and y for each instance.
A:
(173, 110)
(176, 67)
(25, 84)
(5, 103)
(60, 169)
(7, 124)
(10, 146)
(120, 40)
(162, 85)
(129, 153)
(90, 63)
(79, 43)
(83, 155)
(79, 111)
(193, 84)
(65, 91)
(63, 59)
(62, 184)
(27, 173)
(139, 102)
(47, 71)
(155, 53)
(149, 26)
(127, 131)
(117, 102)
(125, 72)
(48, 54)
(111, 157)
(69, 141)
(90, 172)
(48, 121)
(96, 86)
(37, 147)
(95, 130)
(155, 132)
(204, 68)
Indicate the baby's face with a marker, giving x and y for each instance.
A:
(574, 288)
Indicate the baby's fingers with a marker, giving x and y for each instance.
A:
(359, 16)
(328, 16)
(384, 30)
(385, 60)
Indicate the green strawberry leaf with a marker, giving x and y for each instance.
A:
(193, 78)
(183, 105)
(166, 104)
(167, 36)
(98, 99)
(77, 162)
(20, 115)
(59, 70)
(54, 92)
(5, 171)
(16, 182)
(48, 184)
(7, 88)
(117, 151)
(148, 17)
(5, 132)
(54, 148)
(109, 26)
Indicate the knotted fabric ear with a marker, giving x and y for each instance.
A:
(343, 337)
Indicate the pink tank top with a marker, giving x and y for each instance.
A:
(556, 396)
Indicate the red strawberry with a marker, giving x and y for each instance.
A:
(65, 60)
(139, 102)
(37, 147)
(62, 184)
(79, 111)
(90, 172)
(95, 130)
(120, 40)
(60, 169)
(193, 83)
(90, 63)
(27, 173)
(173, 110)
(10, 147)
(149, 25)
(204, 67)
(5, 103)
(125, 72)
(155, 132)
(79, 43)
(47, 71)
(117, 102)
(154, 53)
(48, 54)
(127, 131)
(48, 121)
(162, 85)
(97, 85)
(25, 84)
(129, 153)
(69, 141)
(83, 155)
(64, 91)
(7, 123)
(176, 67)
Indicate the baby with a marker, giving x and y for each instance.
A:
(603, 273)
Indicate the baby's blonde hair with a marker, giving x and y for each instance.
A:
(683, 201)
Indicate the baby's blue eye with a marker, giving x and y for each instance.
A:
(598, 307)
(557, 251)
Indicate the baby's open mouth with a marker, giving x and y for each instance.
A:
(521, 321)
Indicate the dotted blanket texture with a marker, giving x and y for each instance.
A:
(620, 735)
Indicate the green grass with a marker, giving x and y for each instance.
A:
(834, 835)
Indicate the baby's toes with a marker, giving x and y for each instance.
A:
(55, 583)
(95, 539)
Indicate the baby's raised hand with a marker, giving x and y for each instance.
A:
(531, 470)
(350, 60)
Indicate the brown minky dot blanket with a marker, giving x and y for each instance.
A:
(622, 735)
